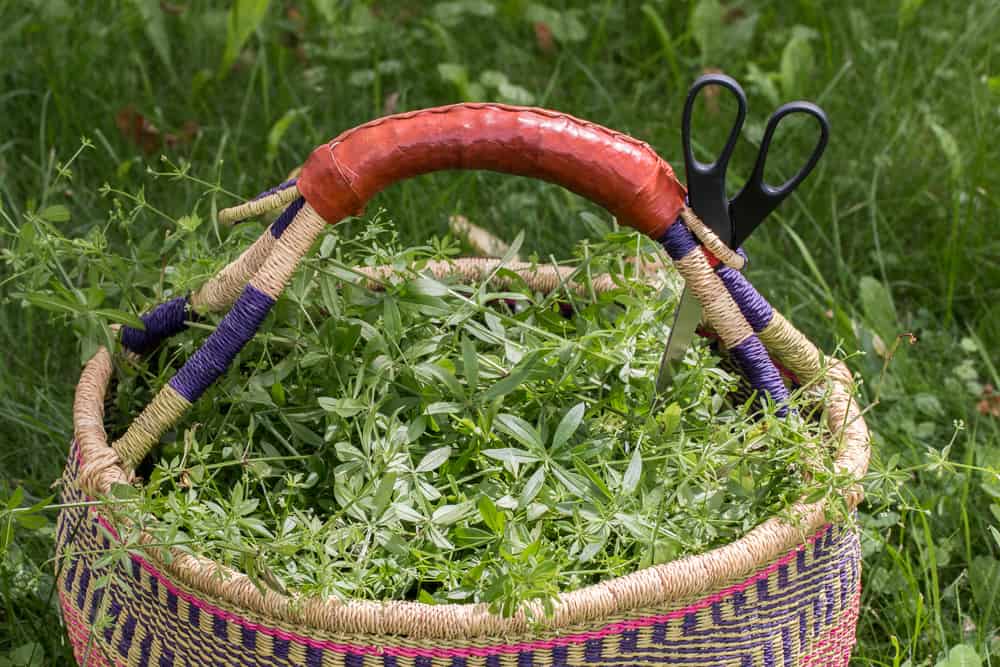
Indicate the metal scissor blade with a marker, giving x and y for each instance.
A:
(686, 319)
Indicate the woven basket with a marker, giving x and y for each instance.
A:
(781, 595)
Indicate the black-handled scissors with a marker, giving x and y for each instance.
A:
(732, 220)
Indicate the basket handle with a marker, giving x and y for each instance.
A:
(621, 173)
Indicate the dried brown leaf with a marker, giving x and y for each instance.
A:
(293, 37)
(989, 403)
(734, 14)
(544, 39)
(172, 8)
(138, 130)
(711, 93)
(185, 136)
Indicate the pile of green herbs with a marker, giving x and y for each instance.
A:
(414, 438)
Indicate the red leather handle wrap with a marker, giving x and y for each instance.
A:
(621, 173)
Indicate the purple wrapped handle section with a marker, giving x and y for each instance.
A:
(213, 358)
(162, 322)
(678, 241)
(286, 217)
(750, 354)
(169, 318)
(755, 308)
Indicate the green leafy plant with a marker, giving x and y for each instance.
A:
(405, 437)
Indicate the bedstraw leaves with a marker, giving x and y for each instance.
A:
(418, 438)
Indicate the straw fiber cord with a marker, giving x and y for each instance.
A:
(711, 241)
(266, 201)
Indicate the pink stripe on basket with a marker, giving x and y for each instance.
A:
(612, 629)
(79, 636)
(834, 648)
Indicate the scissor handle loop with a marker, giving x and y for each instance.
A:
(707, 181)
(719, 164)
(757, 198)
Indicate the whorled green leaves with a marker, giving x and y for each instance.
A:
(444, 442)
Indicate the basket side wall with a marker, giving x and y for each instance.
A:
(800, 610)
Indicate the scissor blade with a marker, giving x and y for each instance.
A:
(686, 319)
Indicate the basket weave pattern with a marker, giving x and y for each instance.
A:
(800, 609)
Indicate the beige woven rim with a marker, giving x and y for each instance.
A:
(656, 587)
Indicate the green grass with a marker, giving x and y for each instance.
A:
(894, 232)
